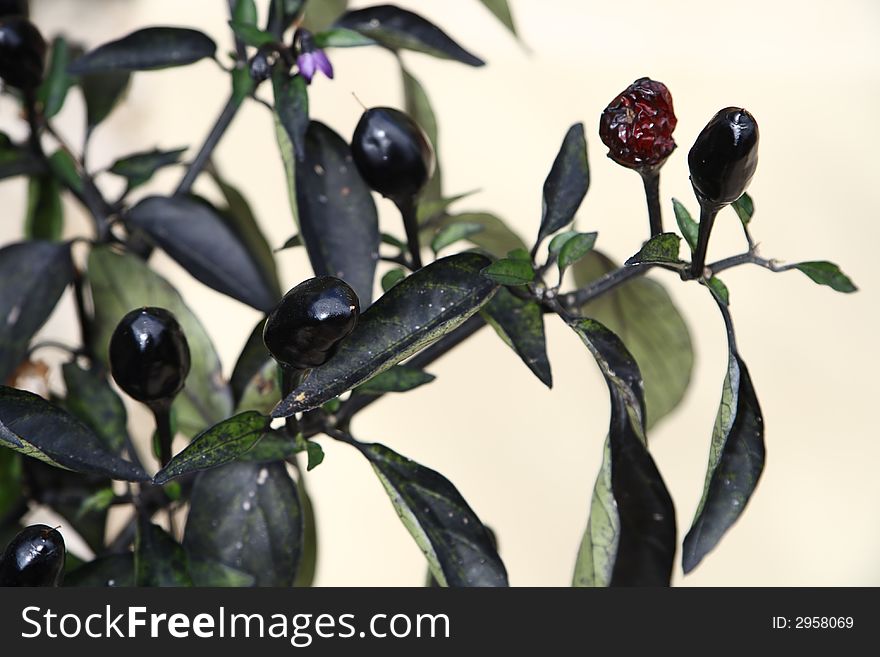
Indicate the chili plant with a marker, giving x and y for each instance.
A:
(328, 349)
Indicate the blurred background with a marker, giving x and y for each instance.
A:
(523, 456)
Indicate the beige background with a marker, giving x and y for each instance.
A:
(525, 457)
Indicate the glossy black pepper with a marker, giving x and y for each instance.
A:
(149, 355)
(392, 153)
(35, 557)
(724, 156)
(259, 67)
(307, 326)
(22, 53)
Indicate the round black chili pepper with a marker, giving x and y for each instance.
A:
(22, 53)
(307, 326)
(149, 355)
(35, 557)
(724, 156)
(392, 153)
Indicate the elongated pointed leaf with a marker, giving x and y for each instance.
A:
(57, 83)
(260, 529)
(159, 560)
(44, 219)
(418, 107)
(736, 458)
(415, 312)
(31, 425)
(567, 183)
(241, 220)
(574, 248)
(510, 271)
(659, 249)
(452, 537)
(643, 314)
(292, 108)
(453, 233)
(826, 273)
(520, 324)
(194, 234)
(138, 168)
(645, 542)
(501, 10)
(745, 208)
(147, 49)
(339, 37)
(121, 282)
(495, 237)
(689, 228)
(397, 29)
(399, 378)
(215, 446)
(102, 93)
(92, 400)
(337, 214)
(320, 15)
(33, 276)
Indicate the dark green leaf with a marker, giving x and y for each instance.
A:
(215, 446)
(147, 49)
(194, 234)
(315, 454)
(263, 391)
(660, 248)
(44, 219)
(100, 500)
(242, 83)
(260, 530)
(496, 237)
(241, 220)
(736, 459)
(452, 537)
(399, 378)
(341, 38)
(245, 12)
(110, 570)
(57, 82)
(414, 313)
(392, 278)
(574, 249)
(337, 214)
(250, 361)
(520, 324)
(283, 13)
(213, 573)
(501, 9)
(121, 282)
(826, 273)
(510, 271)
(719, 289)
(274, 446)
(393, 241)
(292, 108)
(689, 228)
(251, 35)
(31, 425)
(18, 161)
(159, 560)
(140, 167)
(102, 92)
(643, 314)
(745, 208)
(631, 542)
(33, 276)
(397, 28)
(566, 185)
(452, 233)
(290, 243)
(92, 400)
(65, 170)
(10, 481)
(309, 561)
(418, 106)
(320, 15)
(559, 241)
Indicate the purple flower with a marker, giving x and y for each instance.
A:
(310, 58)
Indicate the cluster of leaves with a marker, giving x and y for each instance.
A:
(245, 434)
